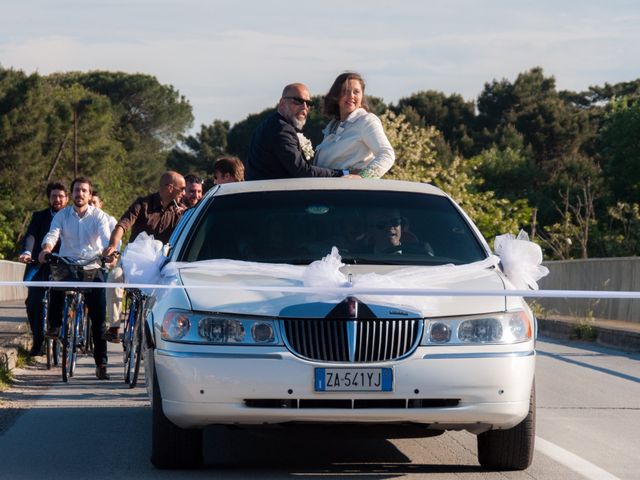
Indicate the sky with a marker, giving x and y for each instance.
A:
(232, 58)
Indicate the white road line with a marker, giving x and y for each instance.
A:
(572, 461)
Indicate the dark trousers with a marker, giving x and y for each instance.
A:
(34, 314)
(97, 305)
(33, 303)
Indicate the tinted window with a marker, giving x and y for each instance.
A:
(299, 227)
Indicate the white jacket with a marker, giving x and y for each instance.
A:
(357, 143)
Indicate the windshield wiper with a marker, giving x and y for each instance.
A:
(369, 261)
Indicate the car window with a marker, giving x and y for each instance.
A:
(177, 231)
(299, 227)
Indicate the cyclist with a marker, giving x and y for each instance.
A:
(156, 214)
(83, 230)
(38, 228)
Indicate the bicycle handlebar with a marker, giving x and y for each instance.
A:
(57, 258)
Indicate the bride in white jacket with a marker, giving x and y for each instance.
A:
(354, 139)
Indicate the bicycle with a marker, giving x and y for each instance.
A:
(87, 345)
(52, 350)
(52, 346)
(73, 332)
(132, 336)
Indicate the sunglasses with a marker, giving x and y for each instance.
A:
(300, 101)
(391, 222)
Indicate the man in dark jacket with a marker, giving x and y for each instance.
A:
(275, 150)
(38, 228)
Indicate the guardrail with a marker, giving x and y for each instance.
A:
(10, 272)
(610, 274)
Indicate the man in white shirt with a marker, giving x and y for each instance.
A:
(83, 231)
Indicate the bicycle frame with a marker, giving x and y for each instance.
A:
(51, 344)
(74, 332)
(71, 332)
(132, 337)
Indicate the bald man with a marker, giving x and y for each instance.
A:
(157, 214)
(275, 150)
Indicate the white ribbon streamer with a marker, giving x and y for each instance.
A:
(520, 260)
(347, 291)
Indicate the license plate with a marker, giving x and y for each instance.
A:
(353, 380)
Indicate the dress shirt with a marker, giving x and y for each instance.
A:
(80, 237)
(357, 143)
(148, 215)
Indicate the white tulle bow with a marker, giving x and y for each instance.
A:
(520, 259)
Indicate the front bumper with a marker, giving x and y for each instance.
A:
(201, 388)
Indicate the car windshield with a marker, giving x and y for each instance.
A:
(299, 227)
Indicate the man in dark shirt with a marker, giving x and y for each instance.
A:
(156, 214)
(275, 150)
(38, 228)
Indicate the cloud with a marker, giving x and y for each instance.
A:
(229, 72)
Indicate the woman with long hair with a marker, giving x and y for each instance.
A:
(354, 139)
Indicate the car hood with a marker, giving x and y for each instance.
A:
(229, 294)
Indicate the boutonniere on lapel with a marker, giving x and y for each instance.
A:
(306, 146)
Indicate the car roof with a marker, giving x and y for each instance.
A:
(325, 184)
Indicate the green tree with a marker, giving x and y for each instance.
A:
(416, 160)
(620, 147)
(550, 125)
(621, 237)
(149, 119)
(23, 125)
(452, 115)
(125, 126)
(36, 143)
(197, 154)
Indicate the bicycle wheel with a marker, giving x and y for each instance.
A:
(56, 352)
(78, 325)
(48, 342)
(81, 333)
(48, 345)
(68, 335)
(88, 333)
(128, 341)
(137, 350)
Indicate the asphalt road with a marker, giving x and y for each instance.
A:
(587, 427)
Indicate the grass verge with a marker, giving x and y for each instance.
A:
(23, 360)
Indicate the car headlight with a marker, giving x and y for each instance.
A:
(499, 328)
(194, 327)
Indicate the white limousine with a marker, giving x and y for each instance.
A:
(290, 310)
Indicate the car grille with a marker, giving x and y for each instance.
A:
(374, 340)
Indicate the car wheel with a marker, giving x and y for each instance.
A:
(510, 449)
(172, 446)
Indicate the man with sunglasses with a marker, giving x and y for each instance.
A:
(383, 234)
(275, 150)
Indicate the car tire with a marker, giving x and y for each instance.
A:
(510, 449)
(172, 447)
